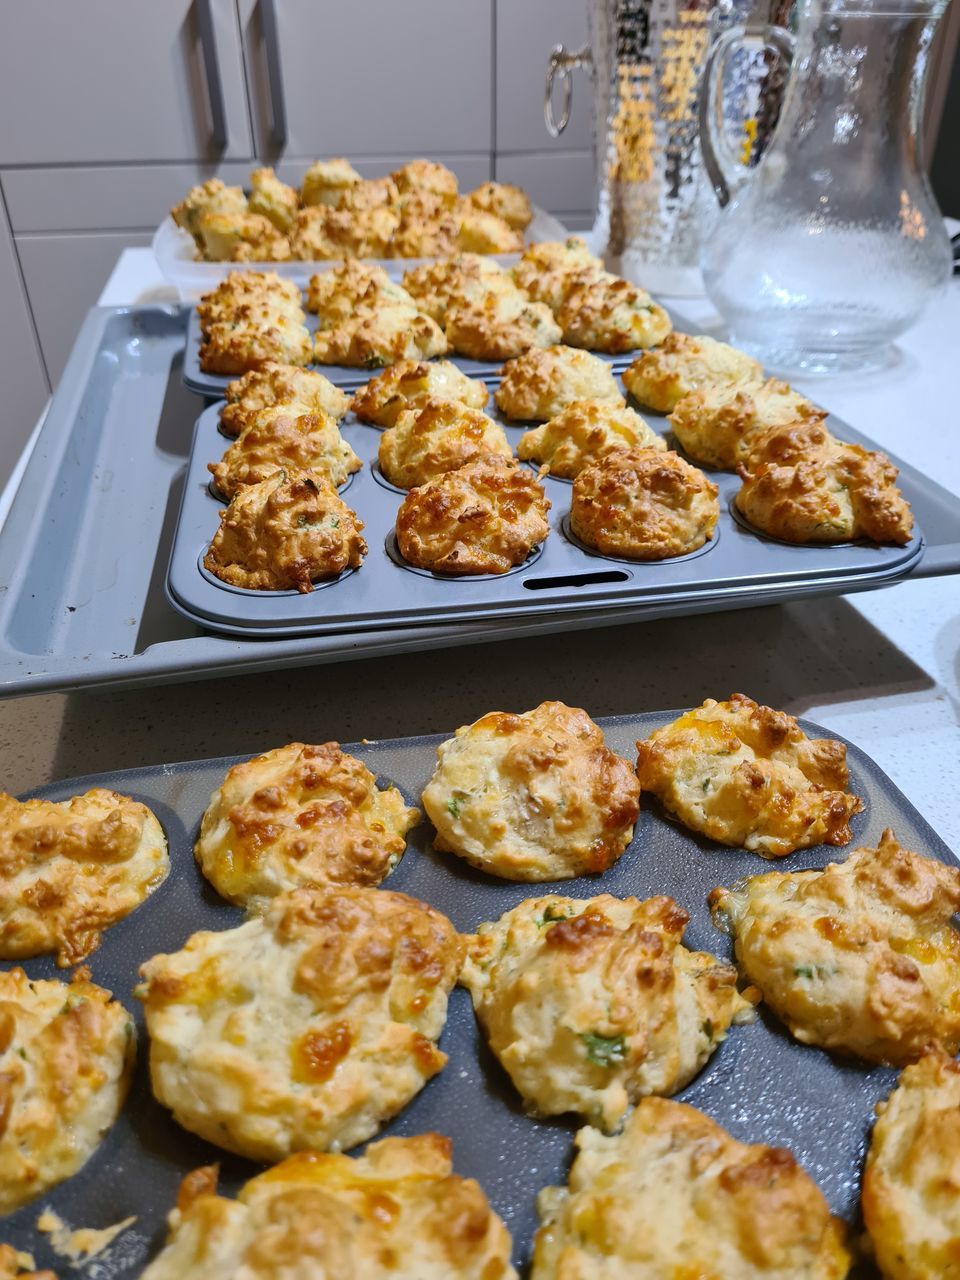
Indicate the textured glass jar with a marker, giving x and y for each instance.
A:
(835, 244)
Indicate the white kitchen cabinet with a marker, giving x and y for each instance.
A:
(369, 78)
(527, 32)
(25, 386)
(121, 80)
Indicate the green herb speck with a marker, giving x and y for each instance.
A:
(604, 1051)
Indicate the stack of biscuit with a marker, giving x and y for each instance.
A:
(415, 212)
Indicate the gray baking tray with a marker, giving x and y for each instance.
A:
(559, 575)
(213, 385)
(85, 549)
(760, 1084)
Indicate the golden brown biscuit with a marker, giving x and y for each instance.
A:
(485, 517)
(247, 293)
(321, 233)
(69, 870)
(273, 199)
(284, 438)
(542, 383)
(279, 384)
(467, 277)
(717, 425)
(436, 436)
(382, 336)
(337, 294)
(210, 197)
(802, 485)
(398, 1209)
(300, 816)
(369, 193)
(326, 181)
(859, 958)
(66, 1058)
(548, 989)
(537, 796)
(286, 532)
(748, 776)
(410, 382)
(235, 347)
(483, 232)
(241, 237)
(305, 1028)
(675, 1196)
(660, 378)
(548, 270)
(583, 433)
(499, 326)
(605, 313)
(643, 504)
(910, 1204)
(426, 175)
(508, 202)
(428, 227)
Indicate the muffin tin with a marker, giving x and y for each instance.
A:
(562, 575)
(760, 1084)
(213, 385)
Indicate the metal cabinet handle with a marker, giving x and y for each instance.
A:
(271, 48)
(211, 72)
(561, 64)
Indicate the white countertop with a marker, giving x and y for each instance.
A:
(882, 669)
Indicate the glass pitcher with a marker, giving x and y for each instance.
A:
(835, 244)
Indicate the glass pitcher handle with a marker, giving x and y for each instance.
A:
(560, 65)
(719, 158)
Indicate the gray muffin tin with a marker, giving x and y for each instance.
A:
(213, 385)
(85, 548)
(760, 1084)
(561, 574)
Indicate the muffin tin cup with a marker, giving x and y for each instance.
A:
(564, 577)
(760, 1084)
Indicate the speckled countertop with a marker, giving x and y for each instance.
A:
(881, 669)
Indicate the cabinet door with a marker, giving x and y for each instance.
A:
(527, 33)
(119, 80)
(372, 77)
(64, 275)
(24, 382)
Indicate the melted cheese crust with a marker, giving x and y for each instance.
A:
(280, 384)
(409, 383)
(661, 377)
(279, 438)
(547, 981)
(305, 1028)
(454, 281)
(285, 532)
(381, 336)
(643, 504)
(802, 485)
(71, 869)
(326, 181)
(718, 425)
(66, 1058)
(676, 1196)
(300, 815)
(583, 433)
(437, 436)
(860, 958)
(273, 199)
(508, 202)
(607, 313)
(485, 517)
(910, 1203)
(537, 796)
(748, 776)
(337, 294)
(540, 384)
(498, 326)
(398, 1209)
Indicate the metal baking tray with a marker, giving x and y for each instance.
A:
(85, 548)
(559, 575)
(213, 385)
(760, 1084)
